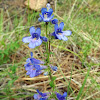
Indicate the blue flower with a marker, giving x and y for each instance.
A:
(33, 60)
(54, 68)
(35, 38)
(46, 73)
(59, 33)
(40, 96)
(61, 97)
(54, 21)
(33, 68)
(46, 15)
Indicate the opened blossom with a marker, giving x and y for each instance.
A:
(46, 15)
(35, 39)
(33, 66)
(40, 96)
(54, 21)
(59, 33)
(61, 97)
(46, 96)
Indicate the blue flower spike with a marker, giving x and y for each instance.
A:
(46, 15)
(59, 33)
(35, 38)
(61, 97)
(40, 96)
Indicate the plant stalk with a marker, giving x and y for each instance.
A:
(48, 54)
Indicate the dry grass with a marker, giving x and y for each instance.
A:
(74, 59)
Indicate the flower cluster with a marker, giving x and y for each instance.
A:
(36, 39)
(45, 96)
(33, 66)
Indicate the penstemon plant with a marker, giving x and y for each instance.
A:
(35, 67)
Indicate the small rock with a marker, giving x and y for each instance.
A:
(36, 4)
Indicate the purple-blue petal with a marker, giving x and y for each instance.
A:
(67, 33)
(28, 64)
(59, 36)
(43, 67)
(38, 42)
(32, 74)
(38, 72)
(50, 11)
(65, 94)
(32, 30)
(36, 96)
(31, 61)
(54, 68)
(53, 34)
(28, 60)
(36, 61)
(38, 31)
(29, 67)
(26, 39)
(43, 11)
(40, 93)
(46, 73)
(61, 97)
(58, 95)
(51, 17)
(44, 94)
(54, 21)
(37, 67)
(61, 26)
(40, 19)
(35, 43)
(28, 72)
(41, 16)
(64, 38)
(56, 27)
(31, 53)
(44, 38)
(42, 99)
(48, 19)
(32, 45)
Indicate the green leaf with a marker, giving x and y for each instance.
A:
(51, 84)
(52, 53)
(53, 78)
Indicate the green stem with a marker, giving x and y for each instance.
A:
(48, 55)
(47, 48)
